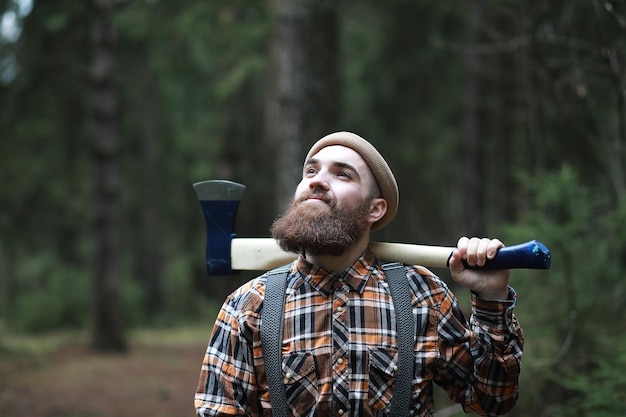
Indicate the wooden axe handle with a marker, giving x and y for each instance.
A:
(264, 253)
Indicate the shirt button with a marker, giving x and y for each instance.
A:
(395, 368)
(340, 309)
(340, 361)
(340, 412)
(288, 375)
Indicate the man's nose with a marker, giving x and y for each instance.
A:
(319, 181)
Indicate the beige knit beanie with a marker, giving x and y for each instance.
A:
(374, 160)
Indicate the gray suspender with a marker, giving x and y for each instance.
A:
(272, 319)
(401, 295)
(272, 337)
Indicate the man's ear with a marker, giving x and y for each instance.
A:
(378, 208)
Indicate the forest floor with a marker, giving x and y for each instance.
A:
(60, 376)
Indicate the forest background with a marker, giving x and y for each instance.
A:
(499, 117)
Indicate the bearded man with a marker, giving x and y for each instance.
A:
(340, 352)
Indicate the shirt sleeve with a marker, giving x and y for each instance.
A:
(480, 360)
(227, 383)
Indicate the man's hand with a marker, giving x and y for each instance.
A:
(487, 284)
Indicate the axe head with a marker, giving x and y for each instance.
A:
(219, 200)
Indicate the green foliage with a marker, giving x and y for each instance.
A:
(50, 296)
(602, 391)
(54, 296)
(572, 314)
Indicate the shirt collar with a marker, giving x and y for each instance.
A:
(356, 275)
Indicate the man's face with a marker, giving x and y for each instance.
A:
(337, 175)
(332, 205)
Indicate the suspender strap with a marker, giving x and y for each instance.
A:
(401, 295)
(272, 319)
(272, 338)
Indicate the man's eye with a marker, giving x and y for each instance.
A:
(344, 174)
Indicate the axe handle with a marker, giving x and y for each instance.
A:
(264, 253)
(258, 254)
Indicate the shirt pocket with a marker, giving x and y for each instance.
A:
(382, 377)
(301, 383)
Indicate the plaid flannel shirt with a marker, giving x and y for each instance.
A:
(340, 349)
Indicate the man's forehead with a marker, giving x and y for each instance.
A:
(342, 155)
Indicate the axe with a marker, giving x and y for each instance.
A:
(225, 253)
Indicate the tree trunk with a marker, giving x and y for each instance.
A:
(109, 331)
(473, 131)
(302, 97)
(149, 213)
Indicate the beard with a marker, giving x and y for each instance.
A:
(320, 229)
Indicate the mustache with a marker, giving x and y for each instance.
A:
(315, 194)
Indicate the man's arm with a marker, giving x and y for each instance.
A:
(480, 360)
(227, 385)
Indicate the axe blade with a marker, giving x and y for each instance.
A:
(219, 200)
